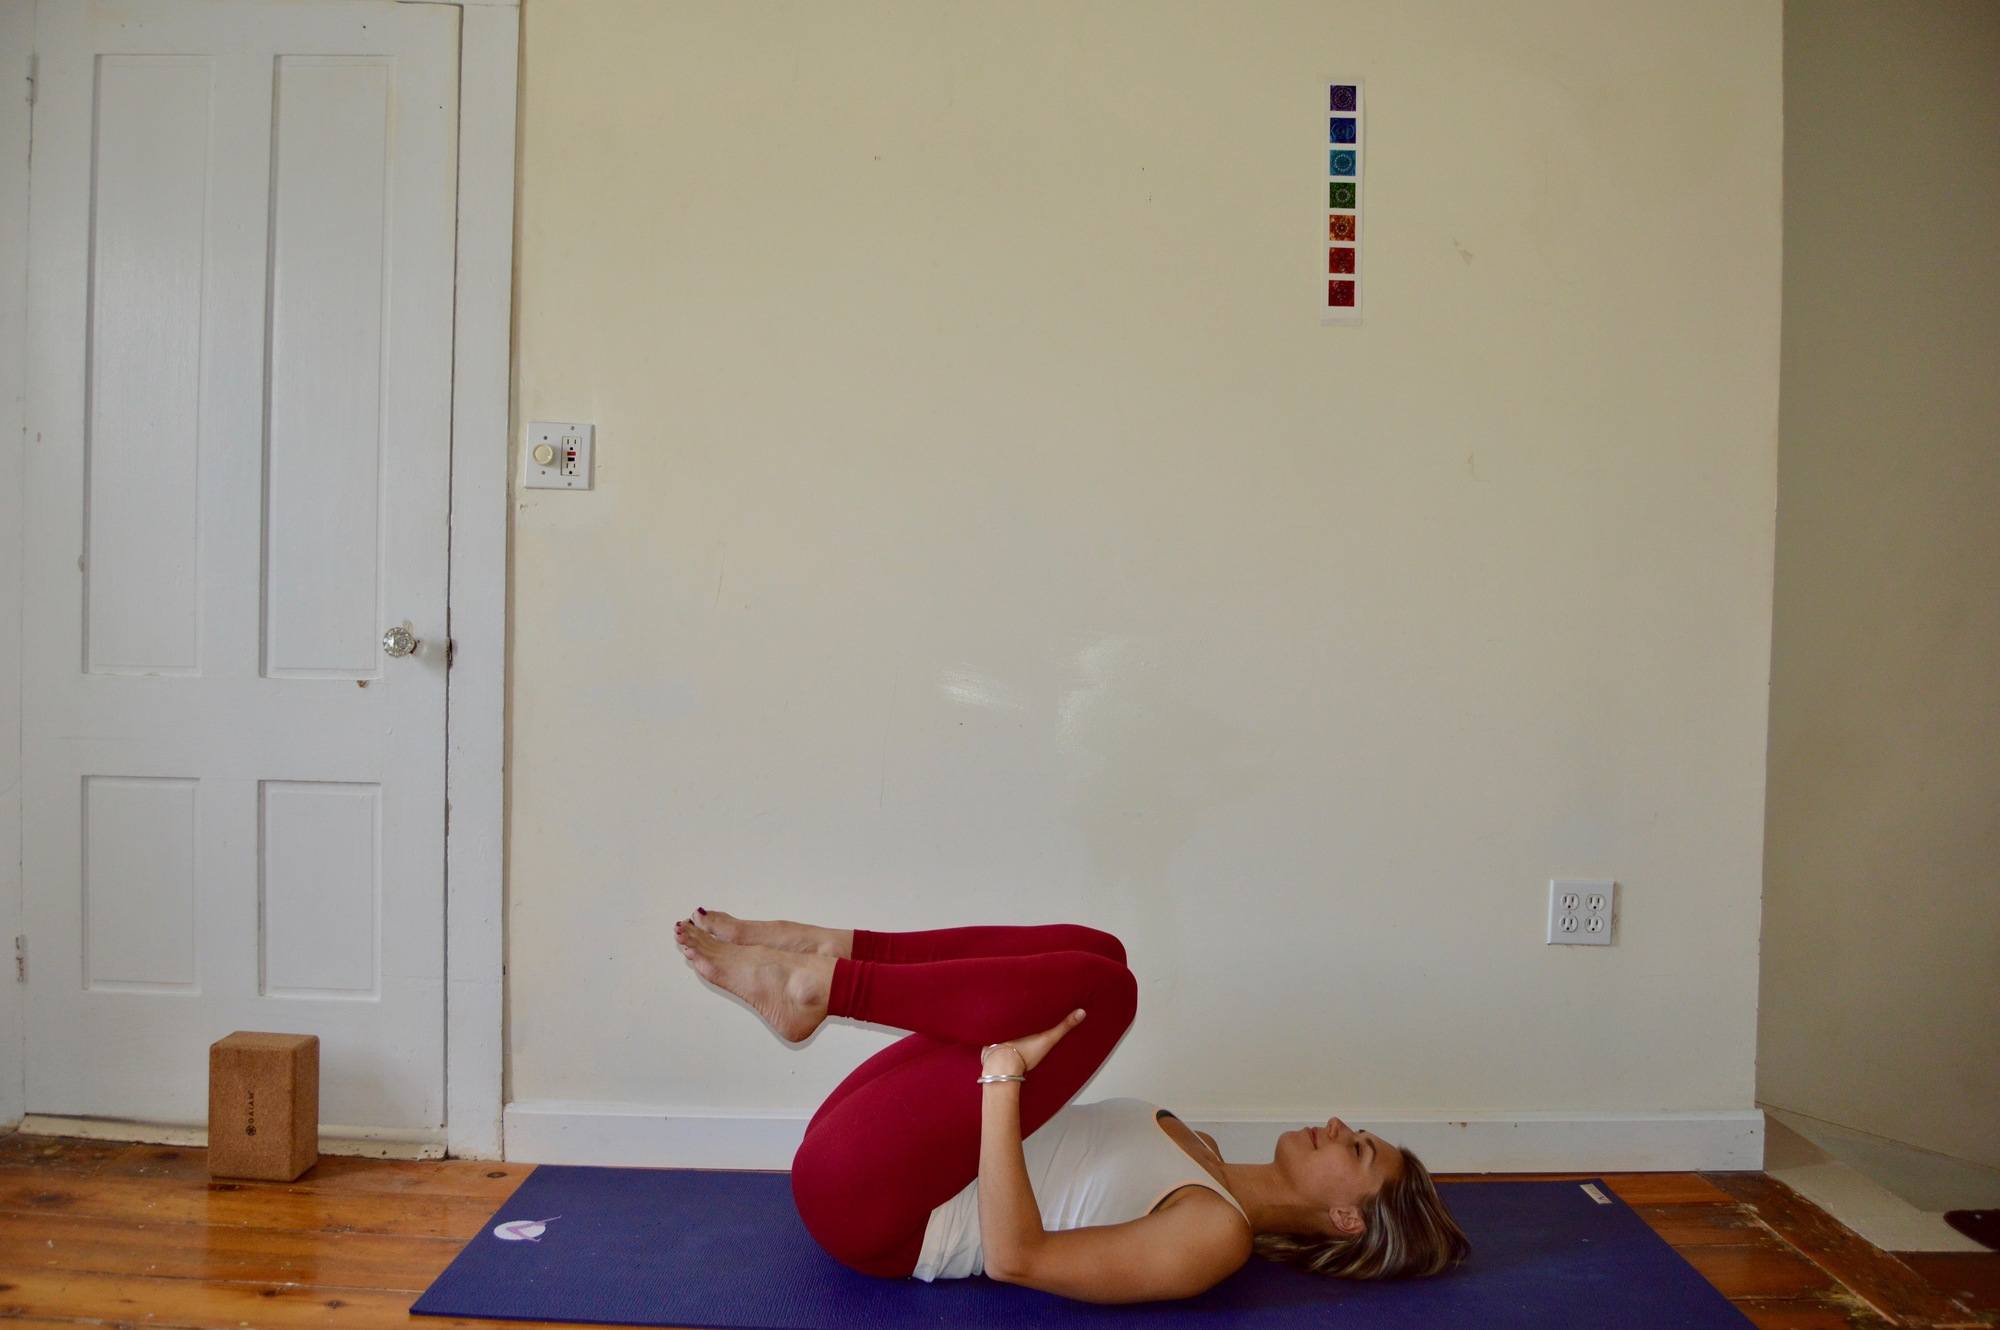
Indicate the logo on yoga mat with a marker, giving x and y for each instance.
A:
(523, 1230)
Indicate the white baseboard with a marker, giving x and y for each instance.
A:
(372, 1142)
(572, 1132)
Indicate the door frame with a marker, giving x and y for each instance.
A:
(17, 36)
(489, 38)
(476, 681)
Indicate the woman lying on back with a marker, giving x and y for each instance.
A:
(956, 1151)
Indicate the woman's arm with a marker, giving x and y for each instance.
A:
(1172, 1253)
(1010, 1223)
(1175, 1252)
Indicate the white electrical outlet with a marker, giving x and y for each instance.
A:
(1580, 912)
(558, 456)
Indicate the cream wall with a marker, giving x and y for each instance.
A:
(1882, 938)
(986, 530)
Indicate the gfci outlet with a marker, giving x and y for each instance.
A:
(1580, 912)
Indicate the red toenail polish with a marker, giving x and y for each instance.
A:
(700, 910)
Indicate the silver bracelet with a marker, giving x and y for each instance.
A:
(993, 1080)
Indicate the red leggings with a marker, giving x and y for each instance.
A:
(900, 1136)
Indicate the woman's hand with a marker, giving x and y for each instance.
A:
(1018, 1057)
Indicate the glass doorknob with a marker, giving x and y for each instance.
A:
(400, 641)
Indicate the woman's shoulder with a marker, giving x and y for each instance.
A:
(1217, 1211)
(1203, 1220)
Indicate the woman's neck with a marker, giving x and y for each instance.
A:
(1271, 1203)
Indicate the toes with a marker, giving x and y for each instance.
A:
(703, 941)
(689, 939)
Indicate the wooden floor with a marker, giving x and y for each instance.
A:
(96, 1233)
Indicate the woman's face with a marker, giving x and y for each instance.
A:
(1338, 1167)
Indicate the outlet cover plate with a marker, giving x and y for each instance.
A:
(570, 467)
(1580, 911)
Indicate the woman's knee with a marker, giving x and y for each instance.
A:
(1106, 989)
(1082, 937)
(1121, 990)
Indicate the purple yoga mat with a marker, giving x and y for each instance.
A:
(688, 1247)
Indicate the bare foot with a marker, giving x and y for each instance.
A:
(780, 933)
(787, 989)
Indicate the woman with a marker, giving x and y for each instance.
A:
(915, 1166)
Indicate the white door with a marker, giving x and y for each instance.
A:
(240, 299)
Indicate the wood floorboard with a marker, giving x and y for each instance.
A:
(256, 1204)
(1889, 1286)
(202, 1251)
(1808, 1314)
(333, 1173)
(104, 1233)
(1971, 1277)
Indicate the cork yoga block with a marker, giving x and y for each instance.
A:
(263, 1105)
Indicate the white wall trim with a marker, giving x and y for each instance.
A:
(476, 695)
(571, 1132)
(17, 39)
(334, 1138)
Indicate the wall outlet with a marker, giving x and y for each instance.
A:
(558, 455)
(1580, 912)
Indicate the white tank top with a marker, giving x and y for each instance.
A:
(1101, 1163)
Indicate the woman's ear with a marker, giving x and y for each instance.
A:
(1346, 1220)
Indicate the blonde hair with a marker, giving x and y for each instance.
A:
(1406, 1233)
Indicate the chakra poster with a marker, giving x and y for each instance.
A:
(1344, 148)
